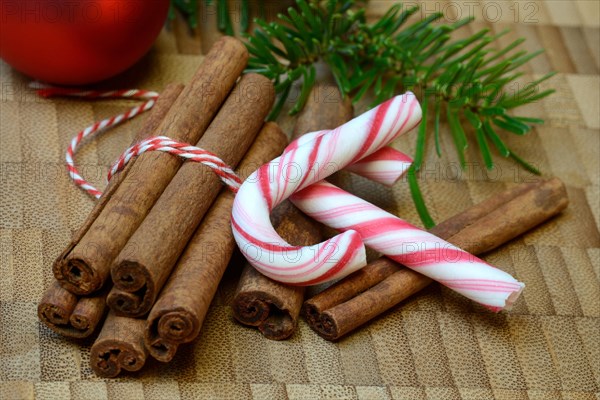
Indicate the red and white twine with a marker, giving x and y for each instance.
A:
(158, 143)
(183, 150)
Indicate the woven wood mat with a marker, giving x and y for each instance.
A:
(435, 345)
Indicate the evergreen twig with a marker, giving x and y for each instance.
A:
(466, 78)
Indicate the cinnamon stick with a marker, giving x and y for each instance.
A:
(75, 316)
(119, 346)
(381, 285)
(69, 315)
(180, 310)
(84, 266)
(144, 264)
(325, 109)
(272, 306)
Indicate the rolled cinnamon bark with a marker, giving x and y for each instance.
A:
(272, 306)
(69, 315)
(144, 264)
(75, 316)
(119, 346)
(347, 288)
(179, 312)
(381, 285)
(84, 266)
(530, 205)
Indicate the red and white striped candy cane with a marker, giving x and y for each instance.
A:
(303, 163)
(98, 127)
(415, 248)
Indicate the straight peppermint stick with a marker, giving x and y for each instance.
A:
(419, 250)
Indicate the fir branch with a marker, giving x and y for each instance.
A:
(466, 78)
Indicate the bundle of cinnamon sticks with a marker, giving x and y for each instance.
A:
(156, 245)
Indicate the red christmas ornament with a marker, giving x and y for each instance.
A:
(76, 42)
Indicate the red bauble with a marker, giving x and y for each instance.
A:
(75, 42)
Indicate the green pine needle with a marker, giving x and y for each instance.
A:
(525, 164)
(436, 126)
(245, 16)
(500, 146)
(417, 197)
(418, 160)
(480, 136)
(189, 9)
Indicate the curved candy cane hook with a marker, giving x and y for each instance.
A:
(305, 162)
(385, 165)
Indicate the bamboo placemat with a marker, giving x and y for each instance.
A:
(436, 345)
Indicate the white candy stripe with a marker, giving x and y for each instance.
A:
(384, 166)
(415, 248)
(309, 160)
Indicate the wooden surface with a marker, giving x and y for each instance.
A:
(436, 345)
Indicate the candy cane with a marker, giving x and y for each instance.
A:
(305, 162)
(410, 246)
